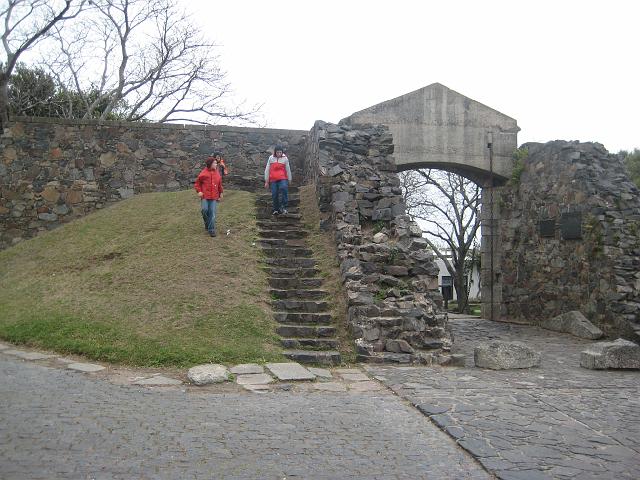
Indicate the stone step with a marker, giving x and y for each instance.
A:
(271, 224)
(301, 343)
(305, 331)
(290, 262)
(288, 283)
(326, 357)
(282, 234)
(297, 294)
(284, 272)
(287, 252)
(303, 318)
(301, 306)
(265, 213)
(294, 200)
(282, 242)
(278, 220)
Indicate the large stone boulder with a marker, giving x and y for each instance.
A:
(574, 323)
(209, 373)
(618, 354)
(500, 355)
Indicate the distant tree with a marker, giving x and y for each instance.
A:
(35, 93)
(24, 24)
(32, 92)
(449, 206)
(632, 161)
(146, 55)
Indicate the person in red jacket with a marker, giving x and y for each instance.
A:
(209, 188)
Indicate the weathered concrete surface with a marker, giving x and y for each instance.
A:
(618, 354)
(558, 421)
(58, 424)
(436, 127)
(500, 355)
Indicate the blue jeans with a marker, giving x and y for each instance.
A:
(209, 208)
(280, 188)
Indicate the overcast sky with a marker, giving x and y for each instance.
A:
(563, 69)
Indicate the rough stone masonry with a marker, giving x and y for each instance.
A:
(390, 279)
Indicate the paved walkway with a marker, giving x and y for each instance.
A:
(65, 424)
(556, 421)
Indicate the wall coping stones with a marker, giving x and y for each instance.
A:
(151, 125)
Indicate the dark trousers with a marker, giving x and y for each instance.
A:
(280, 194)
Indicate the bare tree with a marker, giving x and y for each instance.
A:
(24, 24)
(146, 60)
(449, 205)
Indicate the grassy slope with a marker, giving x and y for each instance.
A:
(324, 251)
(141, 283)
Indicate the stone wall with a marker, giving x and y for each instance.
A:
(570, 238)
(390, 280)
(53, 170)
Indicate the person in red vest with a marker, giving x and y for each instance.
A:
(209, 188)
(277, 175)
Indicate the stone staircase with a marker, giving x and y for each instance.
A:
(298, 301)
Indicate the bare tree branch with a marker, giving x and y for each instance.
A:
(448, 206)
(27, 22)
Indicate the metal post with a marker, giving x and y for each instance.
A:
(491, 221)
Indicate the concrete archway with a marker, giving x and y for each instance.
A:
(436, 127)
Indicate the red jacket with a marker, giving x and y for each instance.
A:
(209, 183)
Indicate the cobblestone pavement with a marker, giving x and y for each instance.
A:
(557, 421)
(63, 424)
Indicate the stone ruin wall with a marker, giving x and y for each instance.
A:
(53, 170)
(391, 282)
(572, 187)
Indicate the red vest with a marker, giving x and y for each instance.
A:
(277, 171)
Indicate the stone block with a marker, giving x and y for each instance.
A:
(85, 367)
(500, 355)
(620, 354)
(574, 323)
(246, 369)
(290, 371)
(207, 374)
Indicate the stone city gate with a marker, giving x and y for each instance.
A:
(436, 127)
(560, 227)
(561, 236)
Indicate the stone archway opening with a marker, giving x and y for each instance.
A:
(436, 127)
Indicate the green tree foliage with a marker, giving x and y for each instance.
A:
(632, 161)
(35, 93)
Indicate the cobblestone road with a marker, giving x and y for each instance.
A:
(557, 421)
(59, 424)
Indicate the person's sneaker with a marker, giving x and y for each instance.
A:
(275, 212)
(283, 211)
(212, 234)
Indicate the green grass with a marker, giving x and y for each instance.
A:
(141, 283)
